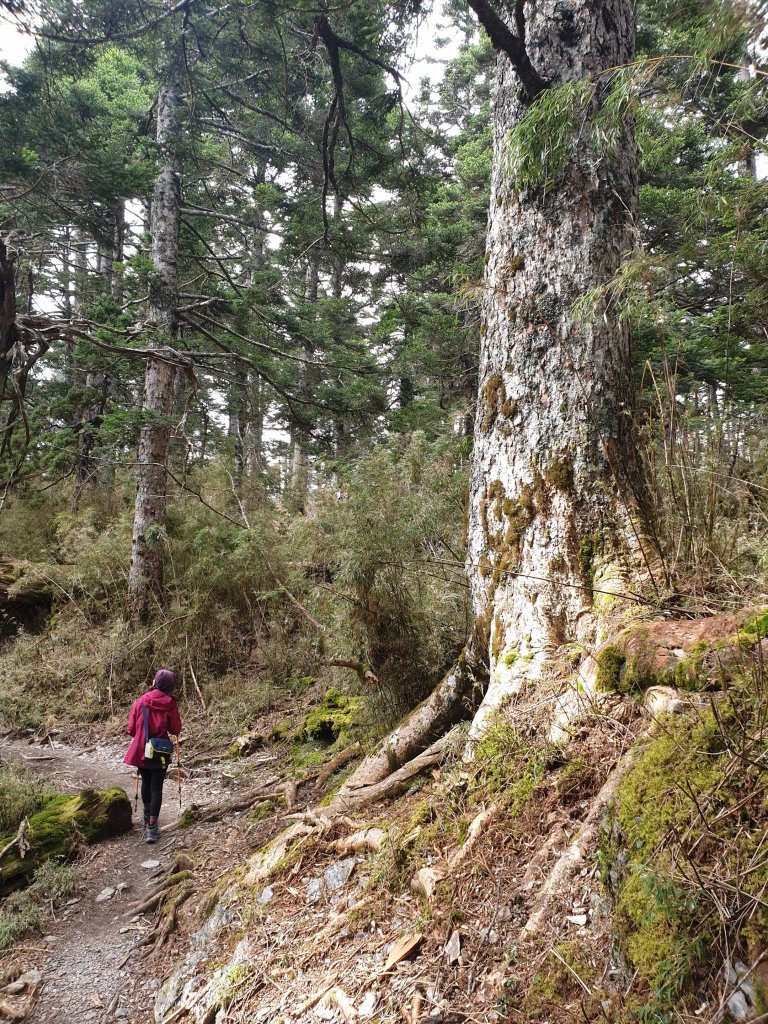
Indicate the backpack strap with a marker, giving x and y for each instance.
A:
(146, 723)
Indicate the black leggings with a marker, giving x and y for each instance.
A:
(152, 780)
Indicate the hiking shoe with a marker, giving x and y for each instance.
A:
(152, 833)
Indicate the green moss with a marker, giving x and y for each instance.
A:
(262, 810)
(335, 718)
(507, 767)
(280, 732)
(754, 629)
(559, 473)
(679, 772)
(610, 669)
(557, 565)
(494, 395)
(515, 264)
(573, 777)
(186, 819)
(556, 985)
(589, 546)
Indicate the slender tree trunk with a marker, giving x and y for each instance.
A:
(119, 250)
(300, 445)
(237, 416)
(145, 580)
(9, 332)
(556, 491)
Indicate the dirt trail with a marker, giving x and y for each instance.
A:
(89, 973)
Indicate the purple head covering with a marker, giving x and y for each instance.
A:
(165, 681)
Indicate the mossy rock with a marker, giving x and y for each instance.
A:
(63, 823)
(335, 717)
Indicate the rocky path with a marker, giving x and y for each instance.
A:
(89, 968)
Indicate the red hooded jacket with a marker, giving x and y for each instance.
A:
(163, 718)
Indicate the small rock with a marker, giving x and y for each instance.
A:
(50, 938)
(453, 948)
(738, 1007)
(489, 935)
(106, 894)
(315, 888)
(150, 864)
(265, 895)
(15, 988)
(122, 886)
(121, 1012)
(72, 902)
(338, 874)
(31, 978)
(577, 919)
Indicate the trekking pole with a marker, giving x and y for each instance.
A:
(178, 767)
(136, 797)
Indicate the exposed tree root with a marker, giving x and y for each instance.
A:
(240, 803)
(425, 880)
(453, 700)
(395, 783)
(338, 761)
(371, 839)
(559, 880)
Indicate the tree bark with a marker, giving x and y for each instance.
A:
(556, 491)
(145, 579)
(9, 331)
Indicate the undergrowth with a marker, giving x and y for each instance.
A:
(26, 911)
(684, 849)
(22, 792)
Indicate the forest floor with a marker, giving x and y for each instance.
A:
(91, 963)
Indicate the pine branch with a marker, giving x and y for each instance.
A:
(504, 40)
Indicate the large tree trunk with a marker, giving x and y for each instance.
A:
(556, 489)
(556, 493)
(145, 580)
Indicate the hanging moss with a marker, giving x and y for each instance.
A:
(60, 827)
(509, 408)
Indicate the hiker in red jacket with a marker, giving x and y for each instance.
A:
(153, 716)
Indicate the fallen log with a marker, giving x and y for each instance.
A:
(62, 824)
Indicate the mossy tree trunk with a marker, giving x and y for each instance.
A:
(59, 828)
(556, 490)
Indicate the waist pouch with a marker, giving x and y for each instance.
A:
(157, 751)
